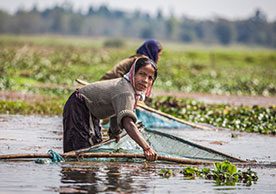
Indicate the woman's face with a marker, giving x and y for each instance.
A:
(144, 78)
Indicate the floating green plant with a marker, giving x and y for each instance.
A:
(167, 173)
(224, 173)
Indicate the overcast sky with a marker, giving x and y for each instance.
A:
(231, 9)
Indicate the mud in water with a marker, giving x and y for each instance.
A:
(35, 134)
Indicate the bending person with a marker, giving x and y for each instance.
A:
(116, 97)
(151, 49)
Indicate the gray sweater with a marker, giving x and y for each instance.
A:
(115, 97)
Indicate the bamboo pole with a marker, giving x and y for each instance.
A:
(105, 155)
(133, 156)
(18, 156)
(130, 156)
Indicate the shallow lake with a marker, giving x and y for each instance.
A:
(36, 134)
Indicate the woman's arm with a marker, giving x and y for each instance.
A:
(135, 134)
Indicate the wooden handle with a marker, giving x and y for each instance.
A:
(105, 155)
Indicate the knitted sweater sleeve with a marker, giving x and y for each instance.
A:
(123, 105)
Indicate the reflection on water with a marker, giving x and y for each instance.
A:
(108, 177)
(29, 134)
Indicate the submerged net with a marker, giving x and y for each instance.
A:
(154, 120)
(163, 143)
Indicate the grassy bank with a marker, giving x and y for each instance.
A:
(29, 63)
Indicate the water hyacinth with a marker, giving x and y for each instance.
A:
(224, 173)
(167, 173)
(250, 119)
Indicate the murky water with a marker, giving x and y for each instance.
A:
(35, 134)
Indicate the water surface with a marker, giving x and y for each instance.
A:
(36, 134)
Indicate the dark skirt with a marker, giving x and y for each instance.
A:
(80, 128)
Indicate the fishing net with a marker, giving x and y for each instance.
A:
(55, 158)
(164, 145)
(153, 129)
(154, 120)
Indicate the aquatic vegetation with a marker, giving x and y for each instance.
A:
(49, 65)
(190, 172)
(249, 119)
(59, 61)
(218, 72)
(247, 177)
(224, 173)
(241, 118)
(167, 173)
(23, 107)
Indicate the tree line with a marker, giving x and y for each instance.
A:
(103, 21)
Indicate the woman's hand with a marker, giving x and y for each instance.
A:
(150, 154)
(135, 134)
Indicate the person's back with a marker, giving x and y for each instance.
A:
(150, 48)
(108, 97)
(121, 68)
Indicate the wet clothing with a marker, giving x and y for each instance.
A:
(80, 128)
(96, 101)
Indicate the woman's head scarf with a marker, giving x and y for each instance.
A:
(130, 77)
(150, 48)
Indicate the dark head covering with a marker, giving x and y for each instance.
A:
(150, 48)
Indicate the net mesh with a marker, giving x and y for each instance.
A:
(155, 120)
(163, 143)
